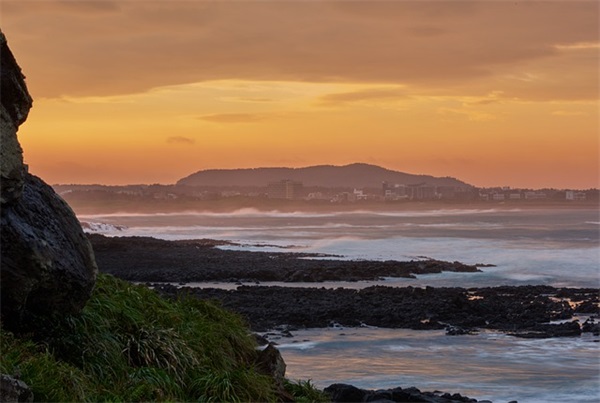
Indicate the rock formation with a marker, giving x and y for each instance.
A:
(47, 264)
(16, 103)
(339, 392)
(14, 390)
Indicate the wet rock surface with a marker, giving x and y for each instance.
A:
(524, 311)
(339, 392)
(154, 260)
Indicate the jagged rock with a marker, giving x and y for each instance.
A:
(340, 392)
(47, 264)
(591, 326)
(14, 390)
(15, 104)
(270, 362)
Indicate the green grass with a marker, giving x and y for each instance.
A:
(129, 344)
(306, 392)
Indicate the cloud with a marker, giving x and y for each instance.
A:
(232, 118)
(180, 140)
(362, 95)
(489, 101)
(569, 113)
(68, 48)
(260, 100)
(470, 114)
(578, 46)
(247, 99)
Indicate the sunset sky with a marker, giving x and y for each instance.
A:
(495, 93)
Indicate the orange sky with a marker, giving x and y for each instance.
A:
(492, 92)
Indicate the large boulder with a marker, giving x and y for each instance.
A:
(47, 265)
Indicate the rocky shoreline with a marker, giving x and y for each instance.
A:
(145, 259)
(527, 311)
(524, 311)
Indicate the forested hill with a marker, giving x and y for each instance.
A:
(353, 175)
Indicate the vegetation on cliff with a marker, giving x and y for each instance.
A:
(128, 344)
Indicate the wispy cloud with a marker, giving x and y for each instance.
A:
(470, 114)
(578, 46)
(371, 94)
(180, 140)
(569, 113)
(260, 100)
(232, 118)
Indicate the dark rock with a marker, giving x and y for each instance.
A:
(591, 326)
(146, 259)
(14, 390)
(261, 340)
(508, 308)
(340, 392)
(399, 394)
(270, 362)
(459, 331)
(590, 306)
(379, 396)
(15, 103)
(47, 264)
(514, 310)
(544, 330)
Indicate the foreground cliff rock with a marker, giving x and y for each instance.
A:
(16, 103)
(47, 263)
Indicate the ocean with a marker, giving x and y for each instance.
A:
(526, 246)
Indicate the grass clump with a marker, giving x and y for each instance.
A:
(305, 392)
(129, 344)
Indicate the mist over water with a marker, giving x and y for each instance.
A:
(558, 247)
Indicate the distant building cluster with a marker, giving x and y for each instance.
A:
(574, 195)
(285, 189)
(508, 194)
(423, 191)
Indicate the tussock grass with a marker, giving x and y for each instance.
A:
(306, 392)
(129, 344)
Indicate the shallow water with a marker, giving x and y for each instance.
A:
(489, 366)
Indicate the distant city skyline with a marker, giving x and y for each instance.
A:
(501, 93)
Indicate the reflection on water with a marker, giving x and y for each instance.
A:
(490, 365)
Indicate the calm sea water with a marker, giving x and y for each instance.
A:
(558, 247)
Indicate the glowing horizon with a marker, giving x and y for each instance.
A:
(491, 93)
